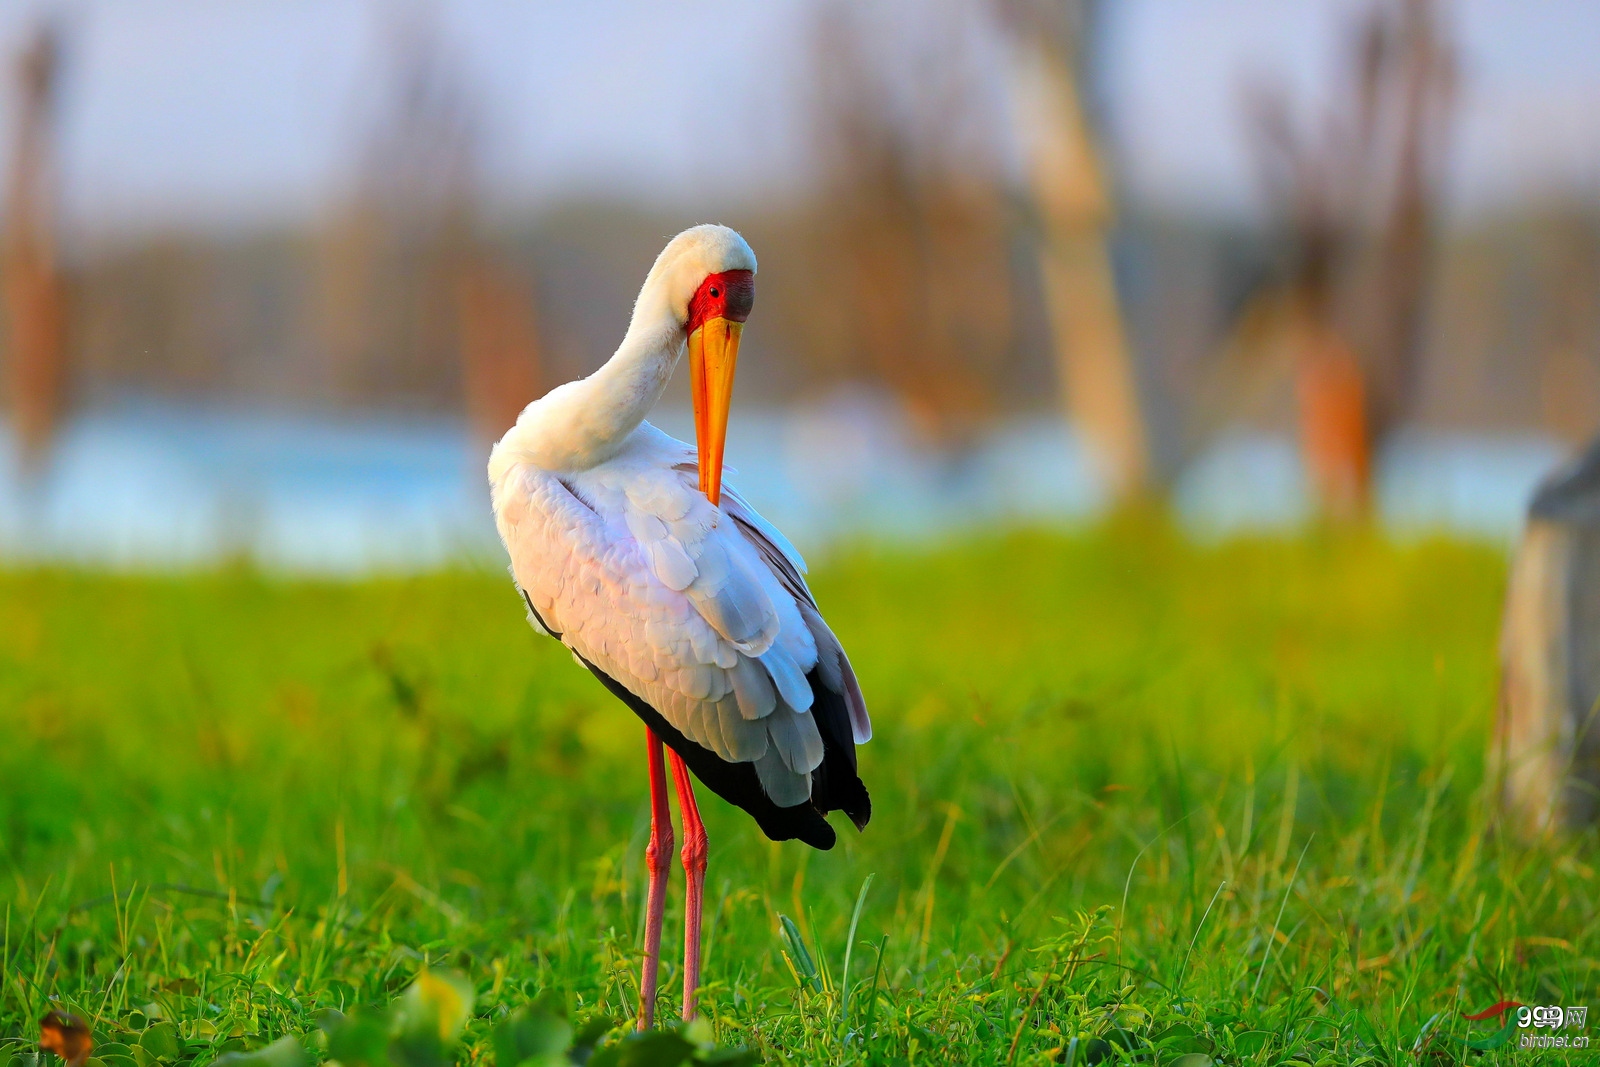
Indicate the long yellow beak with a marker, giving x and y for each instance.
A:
(713, 353)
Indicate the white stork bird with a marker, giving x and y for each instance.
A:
(684, 602)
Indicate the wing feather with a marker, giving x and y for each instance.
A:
(753, 689)
(833, 665)
(797, 740)
(789, 677)
(786, 787)
(700, 612)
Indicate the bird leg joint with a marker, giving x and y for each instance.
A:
(660, 847)
(695, 849)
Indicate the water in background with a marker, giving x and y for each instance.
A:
(167, 485)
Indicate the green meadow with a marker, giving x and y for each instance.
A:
(1135, 800)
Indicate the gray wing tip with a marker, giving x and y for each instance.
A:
(860, 722)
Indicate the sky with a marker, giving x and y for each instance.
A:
(219, 113)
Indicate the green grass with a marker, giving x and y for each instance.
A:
(1227, 798)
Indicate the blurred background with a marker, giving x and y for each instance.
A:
(274, 274)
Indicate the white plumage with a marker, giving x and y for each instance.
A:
(700, 610)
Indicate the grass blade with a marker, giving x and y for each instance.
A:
(849, 946)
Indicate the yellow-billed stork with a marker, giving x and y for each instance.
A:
(685, 603)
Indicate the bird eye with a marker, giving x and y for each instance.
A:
(714, 291)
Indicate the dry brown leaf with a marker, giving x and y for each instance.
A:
(67, 1036)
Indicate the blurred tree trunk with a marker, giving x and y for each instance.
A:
(35, 302)
(1334, 435)
(911, 273)
(1356, 201)
(417, 304)
(1100, 388)
(499, 338)
(1568, 330)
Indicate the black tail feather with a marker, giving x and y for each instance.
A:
(835, 786)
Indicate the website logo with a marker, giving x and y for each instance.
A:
(1533, 1026)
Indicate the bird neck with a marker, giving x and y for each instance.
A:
(583, 423)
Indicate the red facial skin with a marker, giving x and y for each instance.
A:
(729, 295)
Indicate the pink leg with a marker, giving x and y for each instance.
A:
(655, 860)
(695, 848)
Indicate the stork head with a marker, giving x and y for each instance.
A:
(710, 277)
